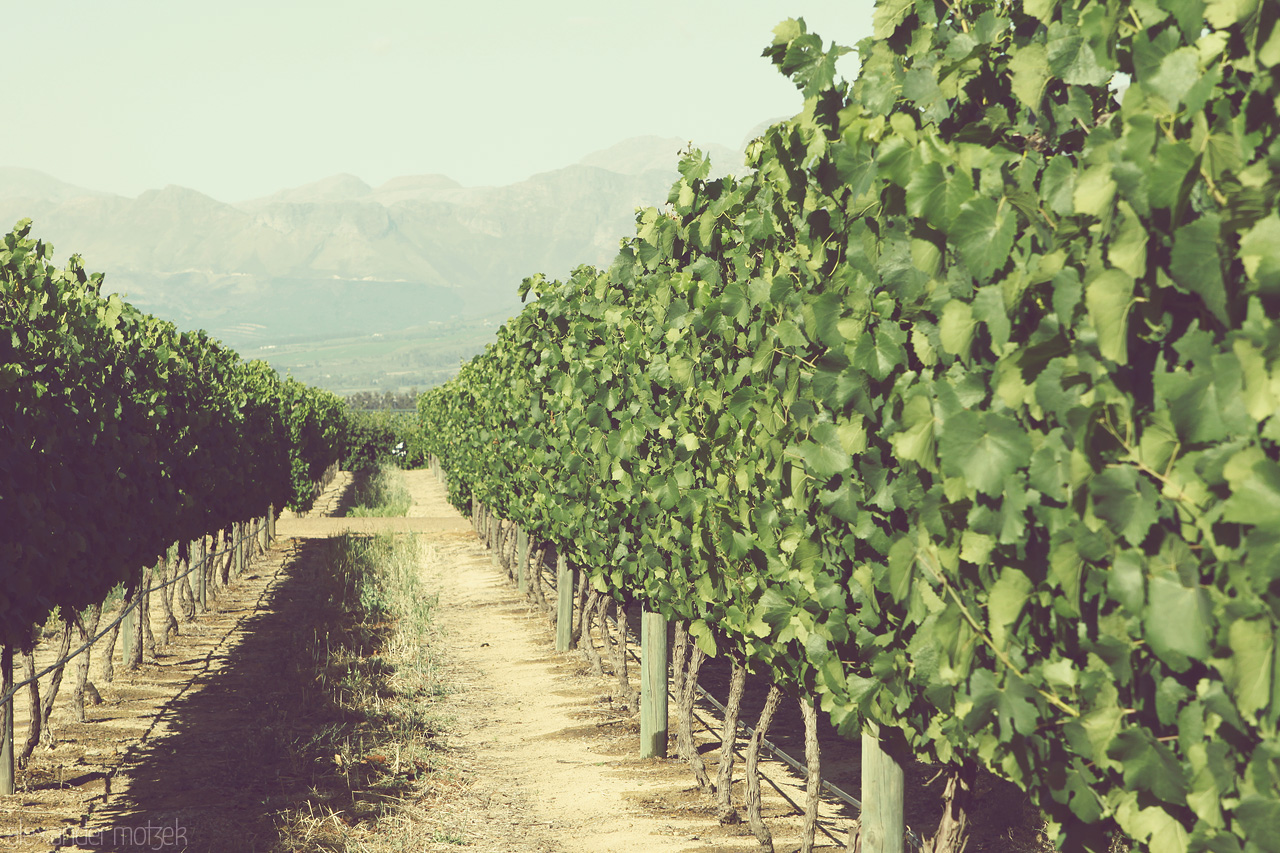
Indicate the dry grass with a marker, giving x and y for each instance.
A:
(380, 494)
(379, 770)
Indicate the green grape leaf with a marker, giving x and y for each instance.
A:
(1196, 266)
(1008, 597)
(1248, 672)
(1259, 817)
(984, 447)
(889, 14)
(1108, 299)
(983, 232)
(956, 327)
(1260, 252)
(1030, 69)
(1126, 501)
(1072, 58)
(1095, 191)
(1255, 494)
(1177, 620)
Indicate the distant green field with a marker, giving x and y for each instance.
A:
(342, 335)
(393, 361)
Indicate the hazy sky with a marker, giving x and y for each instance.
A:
(239, 98)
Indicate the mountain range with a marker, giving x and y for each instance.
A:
(338, 260)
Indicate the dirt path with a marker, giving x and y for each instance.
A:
(545, 744)
(194, 746)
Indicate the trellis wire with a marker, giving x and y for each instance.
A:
(773, 748)
(129, 608)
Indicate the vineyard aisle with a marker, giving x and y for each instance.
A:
(548, 756)
(197, 751)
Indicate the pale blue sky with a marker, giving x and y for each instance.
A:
(239, 98)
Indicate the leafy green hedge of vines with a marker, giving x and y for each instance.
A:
(120, 435)
(959, 411)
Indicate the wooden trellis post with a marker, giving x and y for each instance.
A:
(522, 559)
(564, 601)
(238, 546)
(201, 576)
(127, 629)
(6, 742)
(653, 685)
(883, 825)
(495, 547)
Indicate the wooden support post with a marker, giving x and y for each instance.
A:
(238, 547)
(883, 825)
(495, 547)
(271, 524)
(522, 560)
(127, 629)
(7, 787)
(653, 685)
(564, 602)
(202, 577)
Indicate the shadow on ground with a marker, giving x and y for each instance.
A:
(266, 732)
(354, 489)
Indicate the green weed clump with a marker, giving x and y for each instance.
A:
(381, 494)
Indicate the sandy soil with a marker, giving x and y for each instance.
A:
(544, 738)
(540, 758)
(177, 755)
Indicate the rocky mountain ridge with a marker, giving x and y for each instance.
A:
(346, 285)
(203, 262)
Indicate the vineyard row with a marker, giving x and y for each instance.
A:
(115, 429)
(957, 415)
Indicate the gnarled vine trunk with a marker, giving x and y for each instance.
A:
(186, 595)
(139, 618)
(229, 543)
(108, 658)
(166, 599)
(684, 740)
(729, 740)
(957, 798)
(620, 663)
(510, 557)
(536, 563)
(33, 694)
(55, 684)
(87, 629)
(752, 772)
(679, 653)
(579, 607)
(148, 638)
(813, 780)
(586, 642)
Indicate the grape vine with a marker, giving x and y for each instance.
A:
(120, 435)
(958, 411)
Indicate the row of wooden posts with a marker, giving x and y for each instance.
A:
(881, 826)
(130, 628)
